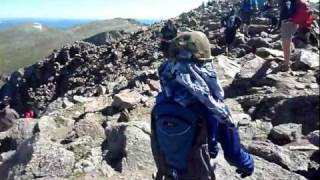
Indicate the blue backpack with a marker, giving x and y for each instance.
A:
(247, 5)
(179, 143)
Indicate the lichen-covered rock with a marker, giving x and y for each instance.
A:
(128, 147)
(39, 157)
(90, 127)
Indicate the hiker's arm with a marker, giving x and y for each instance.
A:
(238, 24)
(233, 153)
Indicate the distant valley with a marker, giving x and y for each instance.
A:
(25, 41)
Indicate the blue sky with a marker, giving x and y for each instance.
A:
(96, 9)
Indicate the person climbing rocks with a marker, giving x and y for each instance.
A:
(287, 30)
(190, 116)
(7, 115)
(247, 9)
(167, 33)
(231, 23)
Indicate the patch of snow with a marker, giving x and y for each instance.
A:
(37, 26)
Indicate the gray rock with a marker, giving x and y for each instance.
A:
(39, 157)
(81, 147)
(264, 170)
(93, 163)
(258, 42)
(7, 155)
(154, 85)
(101, 90)
(66, 104)
(237, 112)
(22, 130)
(55, 105)
(96, 104)
(81, 99)
(90, 127)
(290, 160)
(226, 69)
(126, 99)
(257, 29)
(265, 52)
(313, 137)
(309, 59)
(56, 128)
(213, 25)
(127, 144)
(251, 68)
(286, 133)
(255, 130)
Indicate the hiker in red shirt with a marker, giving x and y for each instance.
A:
(294, 14)
(29, 114)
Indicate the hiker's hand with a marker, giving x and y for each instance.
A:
(243, 174)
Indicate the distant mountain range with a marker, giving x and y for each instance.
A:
(56, 23)
(25, 41)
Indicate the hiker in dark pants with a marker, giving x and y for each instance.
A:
(7, 115)
(247, 9)
(231, 22)
(168, 32)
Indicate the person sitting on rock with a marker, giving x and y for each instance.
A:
(7, 115)
(190, 117)
(167, 33)
(246, 11)
(231, 23)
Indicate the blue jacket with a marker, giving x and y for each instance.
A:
(219, 130)
(227, 136)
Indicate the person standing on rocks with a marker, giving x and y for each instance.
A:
(246, 11)
(190, 117)
(288, 29)
(7, 115)
(167, 33)
(231, 23)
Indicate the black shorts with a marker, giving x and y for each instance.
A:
(230, 35)
(246, 17)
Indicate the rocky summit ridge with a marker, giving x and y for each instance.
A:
(95, 101)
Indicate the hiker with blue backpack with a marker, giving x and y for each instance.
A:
(190, 117)
(247, 9)
(231, 23)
